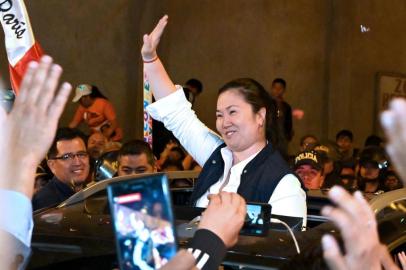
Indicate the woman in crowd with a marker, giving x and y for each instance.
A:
(96, 111)
(242, 159)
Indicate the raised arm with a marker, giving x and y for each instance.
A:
(28, 130)
(26, 134)
(174, 110)
(157, 76)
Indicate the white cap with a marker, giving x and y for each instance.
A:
(82, 90)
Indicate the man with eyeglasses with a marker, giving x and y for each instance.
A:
(69, 162)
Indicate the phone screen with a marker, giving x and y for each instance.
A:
(257, 219)
(143, 222)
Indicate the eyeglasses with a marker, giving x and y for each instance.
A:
(71, 156)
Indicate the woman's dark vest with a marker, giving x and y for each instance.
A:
(258, 179)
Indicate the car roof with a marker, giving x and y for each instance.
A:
(102, 185)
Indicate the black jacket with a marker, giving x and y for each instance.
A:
(258, 180)
(52, 193)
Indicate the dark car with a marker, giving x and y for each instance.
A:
(78, 234)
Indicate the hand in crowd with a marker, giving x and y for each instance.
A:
(224, 216)
(358, 227)
(151, 41)
(28, 130)
(167, 149)
(393, 122)
(402, 259)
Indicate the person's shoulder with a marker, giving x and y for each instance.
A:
(103, 101)
(290, 184)
(274, 159)
(286, 104)
(45, 196)
(50, 187)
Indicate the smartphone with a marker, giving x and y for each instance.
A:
(143, 221)
(257, 219)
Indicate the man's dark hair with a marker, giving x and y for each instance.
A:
(373, 140)
(195, 83)
(137, 147)
(344, 133)
(65, 134)
(279, 80)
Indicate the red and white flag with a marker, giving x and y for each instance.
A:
(20, 43)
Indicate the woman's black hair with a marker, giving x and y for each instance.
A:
(96, 93)
(256, 95)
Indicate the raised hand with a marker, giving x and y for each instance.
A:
(358, 228)
(151, 41)
(393, 122)
(28, 130)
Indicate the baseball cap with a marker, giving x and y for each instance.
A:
(82, 90)
(311, 158)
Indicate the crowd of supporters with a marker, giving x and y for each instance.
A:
(323, 165)
(245, 150)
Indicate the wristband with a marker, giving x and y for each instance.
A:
(208, 249)
(150, 61)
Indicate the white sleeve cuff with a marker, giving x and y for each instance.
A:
(16, 215)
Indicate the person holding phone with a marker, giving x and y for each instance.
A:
(242, 159)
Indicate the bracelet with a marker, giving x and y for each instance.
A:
(150, 61)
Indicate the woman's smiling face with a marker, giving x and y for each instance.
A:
(237, 123)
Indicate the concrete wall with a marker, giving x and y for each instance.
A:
(223, 40)
(316, 45)
(96, 42)
(357, 56)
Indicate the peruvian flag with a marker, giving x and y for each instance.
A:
(20, 43)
